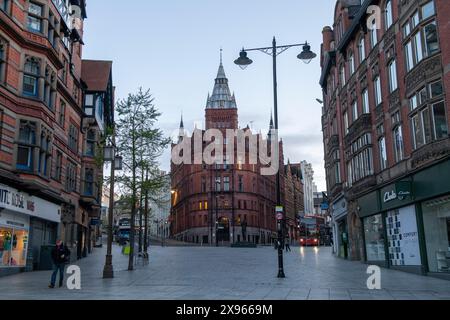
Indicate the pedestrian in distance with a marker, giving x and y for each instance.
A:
(60, 257)
(288, 245)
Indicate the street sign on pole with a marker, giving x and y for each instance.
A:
(280, 216)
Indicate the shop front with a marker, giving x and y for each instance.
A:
(14, 236)
(340, 228)
(407, 223)
(20, 239)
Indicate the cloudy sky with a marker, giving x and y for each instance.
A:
(172, 47)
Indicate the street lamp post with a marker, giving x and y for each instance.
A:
(116, 164)
(243, 62)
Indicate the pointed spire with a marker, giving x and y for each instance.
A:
(221, 97)
(181, 122)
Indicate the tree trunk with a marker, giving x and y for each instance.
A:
(140, 212)
(133, 205)
(146, 218)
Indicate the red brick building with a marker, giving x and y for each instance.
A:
(210, 202)
(386, 84)
(49, 181)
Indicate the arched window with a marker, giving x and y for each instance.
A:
(373, 34)
(342, 75)
(388, 18)
(31, 77)
(362, 49)
(351, 61)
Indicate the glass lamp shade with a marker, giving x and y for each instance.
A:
(307, 55)
(243, 61)
(108, 153)
(118, 163)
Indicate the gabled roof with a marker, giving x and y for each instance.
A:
(96, 74)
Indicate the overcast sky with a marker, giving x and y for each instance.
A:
(172, 47)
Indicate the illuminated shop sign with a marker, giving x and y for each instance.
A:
(18, 201)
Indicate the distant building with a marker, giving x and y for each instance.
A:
(210, 202)
(159, 218)
(308, 187)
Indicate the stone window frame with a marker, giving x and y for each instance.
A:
(351, 63)
(385, 17)
(62, 113)
(50, 88)
(418, 29)
(46, 135)
(39, 130)
(43, 17)
(92, 183)
(38, 76)
(73, 137)
(90, 139)
(57, 172)
(362, 38)
(3, 60)
(426, 106)
(5, 6)
(71, 176)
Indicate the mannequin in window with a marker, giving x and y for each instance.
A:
(6, 248)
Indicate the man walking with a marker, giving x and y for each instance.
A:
(288, 244)
(60, 256)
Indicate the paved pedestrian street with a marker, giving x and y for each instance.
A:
(199, 273)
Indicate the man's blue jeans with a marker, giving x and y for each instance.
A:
(56, 268)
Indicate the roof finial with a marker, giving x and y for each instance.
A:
(221, 51)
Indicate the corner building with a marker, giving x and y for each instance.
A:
(49, 182)
(386, 85)
(210, 202)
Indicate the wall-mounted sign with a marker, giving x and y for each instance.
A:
(389, 196)
(18, 201)
(402, 190)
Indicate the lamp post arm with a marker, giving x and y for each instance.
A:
(278, 49)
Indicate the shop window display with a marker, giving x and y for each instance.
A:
(375, 239)
(436, 219)
(13, 247)
(403, 237)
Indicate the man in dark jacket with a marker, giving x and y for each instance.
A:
(60, 256)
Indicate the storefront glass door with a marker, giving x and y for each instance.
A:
(375, 239)
(436, 219)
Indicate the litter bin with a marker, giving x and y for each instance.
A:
(45, 261)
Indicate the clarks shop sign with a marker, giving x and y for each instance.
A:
(401, 191)
(17, 201)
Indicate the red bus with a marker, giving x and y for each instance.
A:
(311, 231)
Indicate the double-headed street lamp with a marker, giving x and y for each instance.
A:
(116, 164)
(243, 62)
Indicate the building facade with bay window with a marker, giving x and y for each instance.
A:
(49, 184)
(386, 122)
